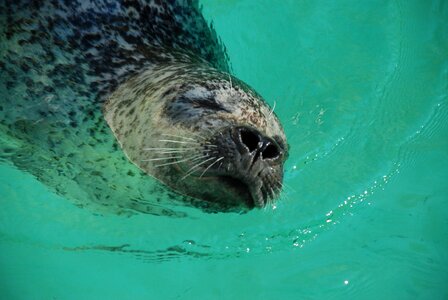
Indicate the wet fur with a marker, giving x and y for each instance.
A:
(60, 61)
(189, 98)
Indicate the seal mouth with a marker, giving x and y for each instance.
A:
(240, 187)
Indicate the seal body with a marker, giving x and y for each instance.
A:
(90, 85)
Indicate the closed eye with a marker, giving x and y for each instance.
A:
(208, 103)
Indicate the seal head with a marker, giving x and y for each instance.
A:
(202, 132)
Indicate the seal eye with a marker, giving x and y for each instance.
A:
(208, 103)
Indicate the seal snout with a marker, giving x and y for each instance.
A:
(256, 144)
(257, 162)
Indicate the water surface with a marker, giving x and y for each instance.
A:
(362, 90)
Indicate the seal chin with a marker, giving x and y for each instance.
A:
(242, 190)
(248, 190)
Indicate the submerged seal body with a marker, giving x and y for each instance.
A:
(82, 79)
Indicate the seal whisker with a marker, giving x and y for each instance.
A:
(284, 185)
(282, 193)
(266, 196)
(192, 169)
(191, 143)
(178, 136)
(162, 158)
(166, 148)
(212, 133)
(271, 199)
(192, 158)
(219, 159)
(231, 85)
(272, 110)
(179, 142)
(162, 153)
(198, 135)
(178, 152)
(170, 152)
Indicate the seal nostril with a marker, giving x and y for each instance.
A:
(271, 151)
(249, 139)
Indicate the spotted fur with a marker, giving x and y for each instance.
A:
(61, 60)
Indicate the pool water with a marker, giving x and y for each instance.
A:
(362, 90)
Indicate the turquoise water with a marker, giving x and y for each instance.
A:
(362, 90)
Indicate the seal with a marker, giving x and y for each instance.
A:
(91, 86)
(208, 136)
